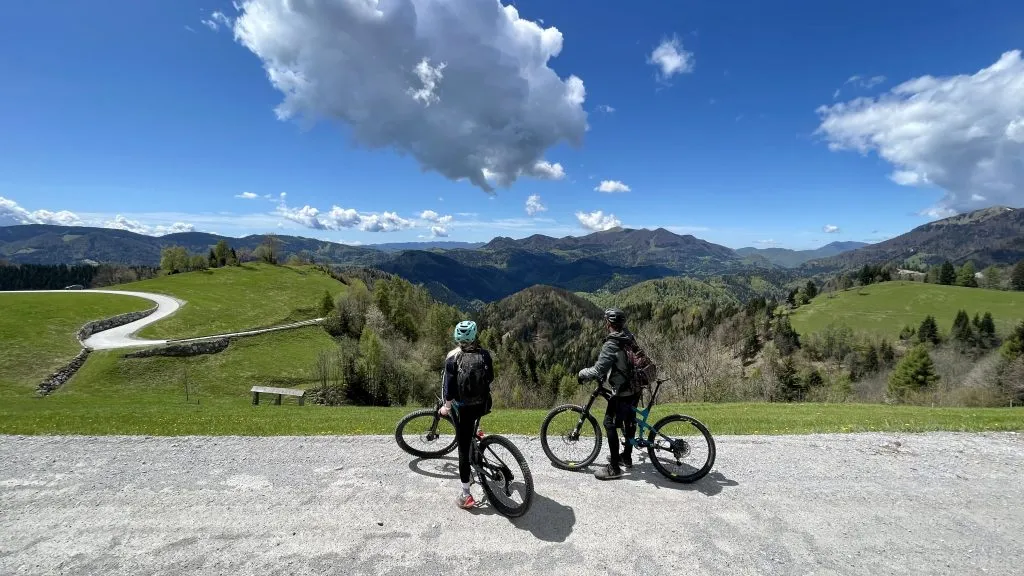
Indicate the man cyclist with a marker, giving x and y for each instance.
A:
(613, 369)
(468, 373)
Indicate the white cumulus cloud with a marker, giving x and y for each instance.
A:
(545, 170)
(11, 214)
(671, 59)
(120, 222)
(534, 206)
(963, 134)
(598, 221)
(830, 228)
(247, 195)
(386, 222)
(612, 186)
(463, 86)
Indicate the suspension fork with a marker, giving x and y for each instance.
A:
(586, 412)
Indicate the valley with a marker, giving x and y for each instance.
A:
(754, 347)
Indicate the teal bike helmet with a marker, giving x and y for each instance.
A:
(465, 331)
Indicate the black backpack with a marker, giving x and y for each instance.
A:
(471, 379)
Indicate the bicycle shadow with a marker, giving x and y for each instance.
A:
(644, 471)
(449, 470)
(546, 519)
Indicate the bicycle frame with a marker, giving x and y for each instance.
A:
(640, 415)
(476, 460)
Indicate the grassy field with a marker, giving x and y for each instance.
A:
(237, 298)
(883, 309)
(37, 332)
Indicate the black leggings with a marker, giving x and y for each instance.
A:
(466, 420)
(620, 414)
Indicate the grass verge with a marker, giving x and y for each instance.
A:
(236, 416)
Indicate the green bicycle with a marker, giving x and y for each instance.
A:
(680, 446)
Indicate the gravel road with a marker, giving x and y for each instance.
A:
(933, 504)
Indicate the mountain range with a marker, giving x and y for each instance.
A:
(606, 261)
(793, 258)
(987, 236)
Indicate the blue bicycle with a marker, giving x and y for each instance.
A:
(679, 446)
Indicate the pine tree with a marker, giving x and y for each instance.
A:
(947, 274)
(886, 354)
(992, 277)
(751, 345)
(870, 364)
(916, 371)
(789, 381)
(233, 259)
(1017, 277)
(212, 259)
(326, 304)
(928, 331)
(786, 338)
(965, 277)
(811, 289)
(1013, 347)
(962, 331)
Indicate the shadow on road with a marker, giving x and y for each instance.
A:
(445, 468)
(547, 520)
(710, 485)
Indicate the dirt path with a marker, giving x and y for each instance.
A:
(932, 504)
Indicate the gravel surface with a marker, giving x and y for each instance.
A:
(940, 503)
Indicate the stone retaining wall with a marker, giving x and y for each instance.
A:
(187, 349)
(119, 320)
(60, 377)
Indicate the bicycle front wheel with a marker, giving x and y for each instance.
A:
(505, 476)
(571, 439)
(681, 448)
(426, 434)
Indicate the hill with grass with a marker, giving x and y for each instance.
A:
(237, 298)
(884, 309)
(38, 332)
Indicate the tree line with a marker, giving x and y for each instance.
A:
(60, 276)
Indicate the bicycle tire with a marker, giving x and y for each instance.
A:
(527, 476)
(652, 451)
(424, 413)
(563, 464)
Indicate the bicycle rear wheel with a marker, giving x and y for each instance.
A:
(505, 476)
(575, 437)
(681, 448)
(426, 434)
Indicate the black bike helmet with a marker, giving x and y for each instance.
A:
(615, 317)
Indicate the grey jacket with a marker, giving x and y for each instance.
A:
(612, 356)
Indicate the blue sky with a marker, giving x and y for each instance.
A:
(158, 116)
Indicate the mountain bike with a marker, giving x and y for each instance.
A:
(571, 426)
(507, 481)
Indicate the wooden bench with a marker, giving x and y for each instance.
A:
(257, 390)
